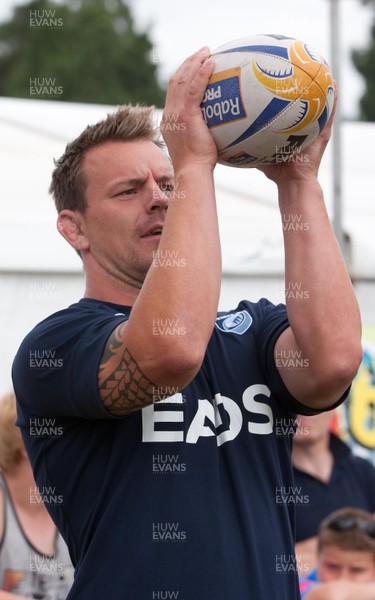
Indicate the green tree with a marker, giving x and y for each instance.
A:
(364, 61)
(77, 50)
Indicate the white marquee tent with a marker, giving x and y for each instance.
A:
(40, 273)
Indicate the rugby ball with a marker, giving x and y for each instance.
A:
(269, 97)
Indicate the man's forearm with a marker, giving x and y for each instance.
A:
(184, 292)
(325, 320)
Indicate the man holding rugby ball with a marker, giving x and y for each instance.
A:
(169, 466)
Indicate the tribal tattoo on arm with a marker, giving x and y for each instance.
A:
(123, 386)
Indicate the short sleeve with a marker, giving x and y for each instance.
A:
(274, 322)
(55, 371)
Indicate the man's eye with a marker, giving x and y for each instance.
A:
(128, 192)
(166, 187)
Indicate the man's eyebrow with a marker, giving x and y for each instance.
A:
(169, 177)
(129, 182)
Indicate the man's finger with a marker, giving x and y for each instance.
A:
(181, 80)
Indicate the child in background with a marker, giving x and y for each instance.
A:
(346, 558)
(34, 559)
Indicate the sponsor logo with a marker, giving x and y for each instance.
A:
(241, 159)
(238, 322)
(221, 418)
(222, 102)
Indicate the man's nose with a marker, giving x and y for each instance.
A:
(158, 196)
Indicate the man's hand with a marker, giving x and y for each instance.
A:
(294, 170)
(184, 130)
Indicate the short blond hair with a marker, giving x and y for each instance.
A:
(127, 124)
(11, 444)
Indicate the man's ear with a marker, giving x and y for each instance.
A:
(70, 224)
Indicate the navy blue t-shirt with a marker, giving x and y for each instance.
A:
(352, 483)
(188, 498)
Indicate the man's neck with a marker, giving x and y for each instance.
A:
(110, 289)
(315, 459)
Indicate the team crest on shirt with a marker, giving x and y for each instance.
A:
(238, 322)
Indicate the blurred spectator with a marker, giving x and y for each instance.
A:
(328, 476)
(34, 560)
(346, 558)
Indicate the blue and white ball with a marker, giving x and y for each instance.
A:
(267, 99)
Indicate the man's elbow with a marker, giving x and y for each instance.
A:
(344, 367)
(176, 368)
(331, 382)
